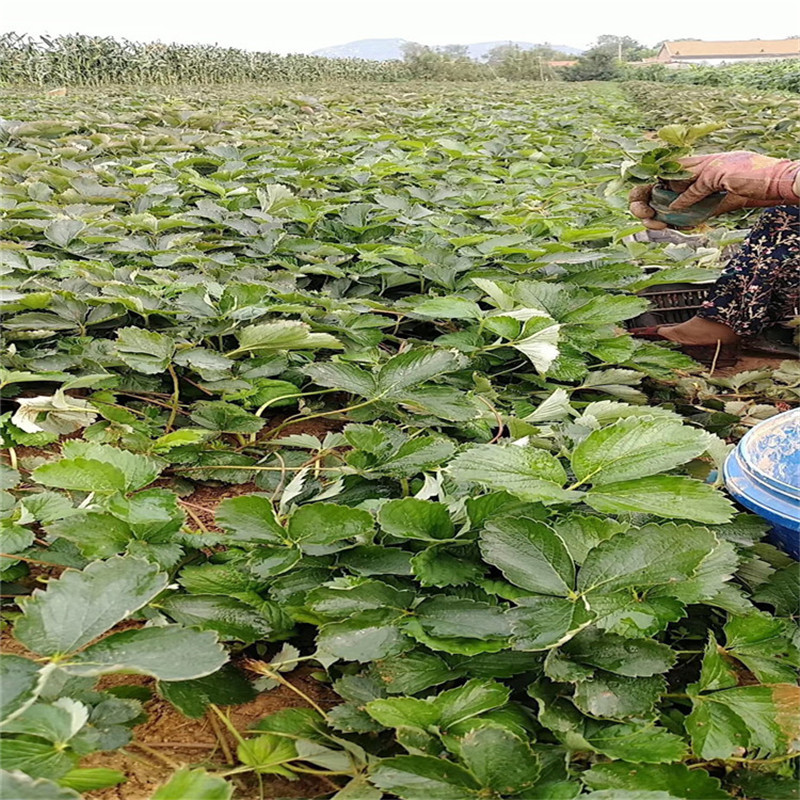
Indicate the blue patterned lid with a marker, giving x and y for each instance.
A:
(770, 453)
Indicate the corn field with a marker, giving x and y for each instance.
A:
(78, 60)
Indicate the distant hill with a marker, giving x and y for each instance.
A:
(389, 49)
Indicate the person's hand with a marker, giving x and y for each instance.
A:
(639, 200)
(750, 180)
(759, 180)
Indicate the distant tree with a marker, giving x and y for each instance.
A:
(624, 47)
(595, 65)
(512, 62)
(454, 50)
(449, 63)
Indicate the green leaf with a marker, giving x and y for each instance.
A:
(376, 560)
(358, 789)
(345, 597)
(782, 591)
(469, 700)
(717, 671)
(342, 376)
(716, 730)
(225, 687)
(413, 367)
(632, 616)
(16, 785)
(410, 518)
(525, 472)
(448, 308)
(230, 618)
(38, 758)
(605, 309)
(366, 636)
(451, 644)
(529, 554)
(82, 475)
(95, 535)
(303, 723)
(413, 672)
(666, 496)
(88, 779)
(80, 606)
(437, 566)
(144, 351)
(56, 722)
(760, 642)
(327, 523)
(638, 744)
(153, 515)
(168, 653)
(397, 712)
(581, 532)
(609, 696)
(500, 760)
(540, 347)
(222, 579)
(462, 618)
(650, 556)
(767, 786)
(14, 538)
(283, 335)
(211, 366)
(415, 777)
(266, 562)
(760, 718)
(541, 623)
(63, 230)
(217, 415)
(20, 679)
(250, 518)
(634, 448)
(184, 436)
(267, 754)
(48, 506)
(632, 657)
(677, 780)
(194, 783)
(139, 470)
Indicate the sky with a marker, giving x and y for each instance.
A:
(300, 26)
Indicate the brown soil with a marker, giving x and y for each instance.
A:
(168, 740)
(202, 503)
(750, 362)
(10, 646)
(316, 427)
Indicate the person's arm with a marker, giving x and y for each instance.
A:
(751, 180)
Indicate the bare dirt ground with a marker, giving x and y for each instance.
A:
(751, 361)
(168, 740)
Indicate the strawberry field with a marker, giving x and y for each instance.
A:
(324, 441)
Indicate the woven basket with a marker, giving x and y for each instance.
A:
(671, 303)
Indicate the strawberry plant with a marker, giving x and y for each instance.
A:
(660, 163)
(352, 391)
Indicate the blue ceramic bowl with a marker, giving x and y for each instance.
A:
(691, 217)
(763, 474)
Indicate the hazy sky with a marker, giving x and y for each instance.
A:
(304, 25)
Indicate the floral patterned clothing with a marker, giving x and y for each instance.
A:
(761, 283)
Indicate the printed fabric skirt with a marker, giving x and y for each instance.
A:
(761, 283)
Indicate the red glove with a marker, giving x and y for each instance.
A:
(758, 180)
